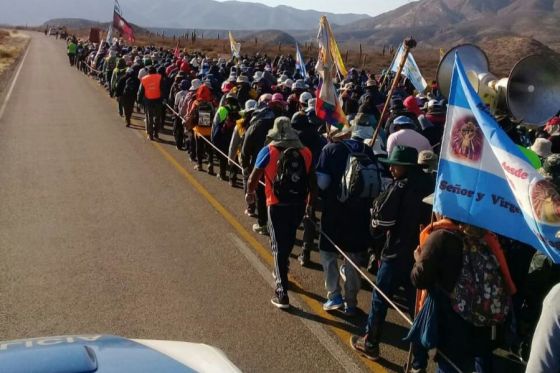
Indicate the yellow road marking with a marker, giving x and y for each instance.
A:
(265, 254)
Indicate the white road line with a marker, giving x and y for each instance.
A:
(326, 339)
(7, 98)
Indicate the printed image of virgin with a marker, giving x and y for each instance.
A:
(466, 139)
(545, 201)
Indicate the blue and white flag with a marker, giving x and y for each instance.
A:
(410, 70)
(300, 63)
(109, 38)
(485, 180)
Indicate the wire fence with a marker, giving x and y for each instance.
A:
(337, 247)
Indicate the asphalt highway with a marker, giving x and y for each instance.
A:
(103, 231)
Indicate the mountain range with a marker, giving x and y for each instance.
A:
(433, 23)
(199, 14)
(444, 22)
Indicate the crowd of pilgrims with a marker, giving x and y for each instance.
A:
(229, 115)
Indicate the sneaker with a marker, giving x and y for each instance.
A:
(281, 302)
(262, 230)
(303, 258)
(198, 167)
(342, 272)
(222, 177)
(350, 310)
(368, 349)
(211, 170)
(251, 213)
(334, 304)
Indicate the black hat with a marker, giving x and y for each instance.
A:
(403, 156)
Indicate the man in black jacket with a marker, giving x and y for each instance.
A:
(397, 216)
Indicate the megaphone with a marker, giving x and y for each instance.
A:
(530, 94)
(533, 90)
(474, 61)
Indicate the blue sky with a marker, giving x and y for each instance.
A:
(371, 7)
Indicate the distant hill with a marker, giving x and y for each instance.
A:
(74, 23)
(447, 22)
(199, 14)
(270, 37)
(82, 24)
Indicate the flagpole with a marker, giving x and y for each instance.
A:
(408, 45)
(388, 71)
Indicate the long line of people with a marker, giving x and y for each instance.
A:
(260, 112)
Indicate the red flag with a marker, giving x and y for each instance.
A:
(176, 53)
(120, 24)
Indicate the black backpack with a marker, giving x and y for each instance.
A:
(361, 180)
(291, 184)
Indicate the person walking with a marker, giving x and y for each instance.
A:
(349, 178)
(151, 94)
(290, 185)
(397, 215)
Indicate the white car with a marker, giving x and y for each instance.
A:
(109, 354)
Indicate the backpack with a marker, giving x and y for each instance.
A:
(291, 184)
(480, 295)
(361, 179)
(204, 114)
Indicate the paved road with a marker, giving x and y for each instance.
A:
(102, 231)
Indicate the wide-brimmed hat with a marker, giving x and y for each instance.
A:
(402, 156)
(283, 135)
(428, 159)
(551, 168)
(311, 105)
(361, 127)
(542, 147)
(299, 84)
(258, 75)
(195, 84)
(278, 98)
(403, 121)
(250, 106)
(242, 79)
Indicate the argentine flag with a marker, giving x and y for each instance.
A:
(410, 70)
(300, 63)
(485, 180)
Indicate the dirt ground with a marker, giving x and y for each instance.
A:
(12, 44)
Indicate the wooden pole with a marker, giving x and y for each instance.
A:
(408, 45)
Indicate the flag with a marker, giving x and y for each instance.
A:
(300, 62)
(410, 69)
(109, 37)
(176, 52)
(333, 47)
(94, 35)
(120, 24)
(235, 46)
(485, 180)
(117, 7)
(327, 105)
